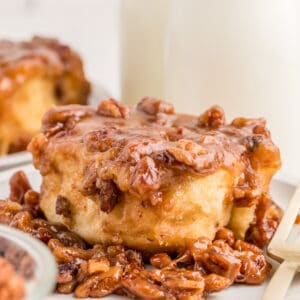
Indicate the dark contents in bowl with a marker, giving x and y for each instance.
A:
(21, 261)
(12, 285)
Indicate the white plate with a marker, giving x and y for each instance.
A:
(15, 159)
(281, 192)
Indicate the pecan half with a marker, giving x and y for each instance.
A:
(153, 106)
(19, 185)
(212, 118)
(145, 175)
(108, 194)
(112, 108)
(62, 206)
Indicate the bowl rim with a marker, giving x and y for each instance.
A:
(46, 268)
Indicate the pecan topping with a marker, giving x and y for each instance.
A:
(100, 140)
(215, 283)
(60, 118)
(188, 152)
(66, 272)
(112, 108)
(19, 185)
(153, 106)
(225, 235)
(212, 118)
(262, 130)
(21, 192)
(8, 210)
(145, 175)
(179, 144)
(252, 142)
(205, 266)
(268, 216)
(108, 194)
(62, 206)
(258, 125)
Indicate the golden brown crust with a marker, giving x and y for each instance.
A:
(40, 70)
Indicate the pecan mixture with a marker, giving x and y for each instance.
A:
(141, 150)
(204, 267)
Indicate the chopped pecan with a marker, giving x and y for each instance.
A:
(142, 287)
(68, 238)
(215, 283)
(66, 288)
(62, 206)
(19, 185)
(243, 246)
(161, 260)
(100, 140)
(8, 209)
(108, 194)
(244, 122)
(32, 198)
(145, 176)
(98, 265)
(153, 106)
(100, 285)
(252, 142)
(212, 118)
(225, 235)
(60, 118)
(262, 130)
(268, 216)
(22, 221)
(112, 108)
(175, 133)
(165, 284)
(164, 119)
(66, 254)
(197, 247)
(189, 153)
(254, 268)
(220, 263)
(67, 272)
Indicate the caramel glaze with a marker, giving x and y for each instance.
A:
(20, 61)
(142, 150)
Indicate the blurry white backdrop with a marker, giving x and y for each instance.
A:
(243, 55)
(90, 26)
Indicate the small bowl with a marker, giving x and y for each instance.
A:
(40, 264)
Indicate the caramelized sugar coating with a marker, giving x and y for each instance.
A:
(34, 76)
(150, 179)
